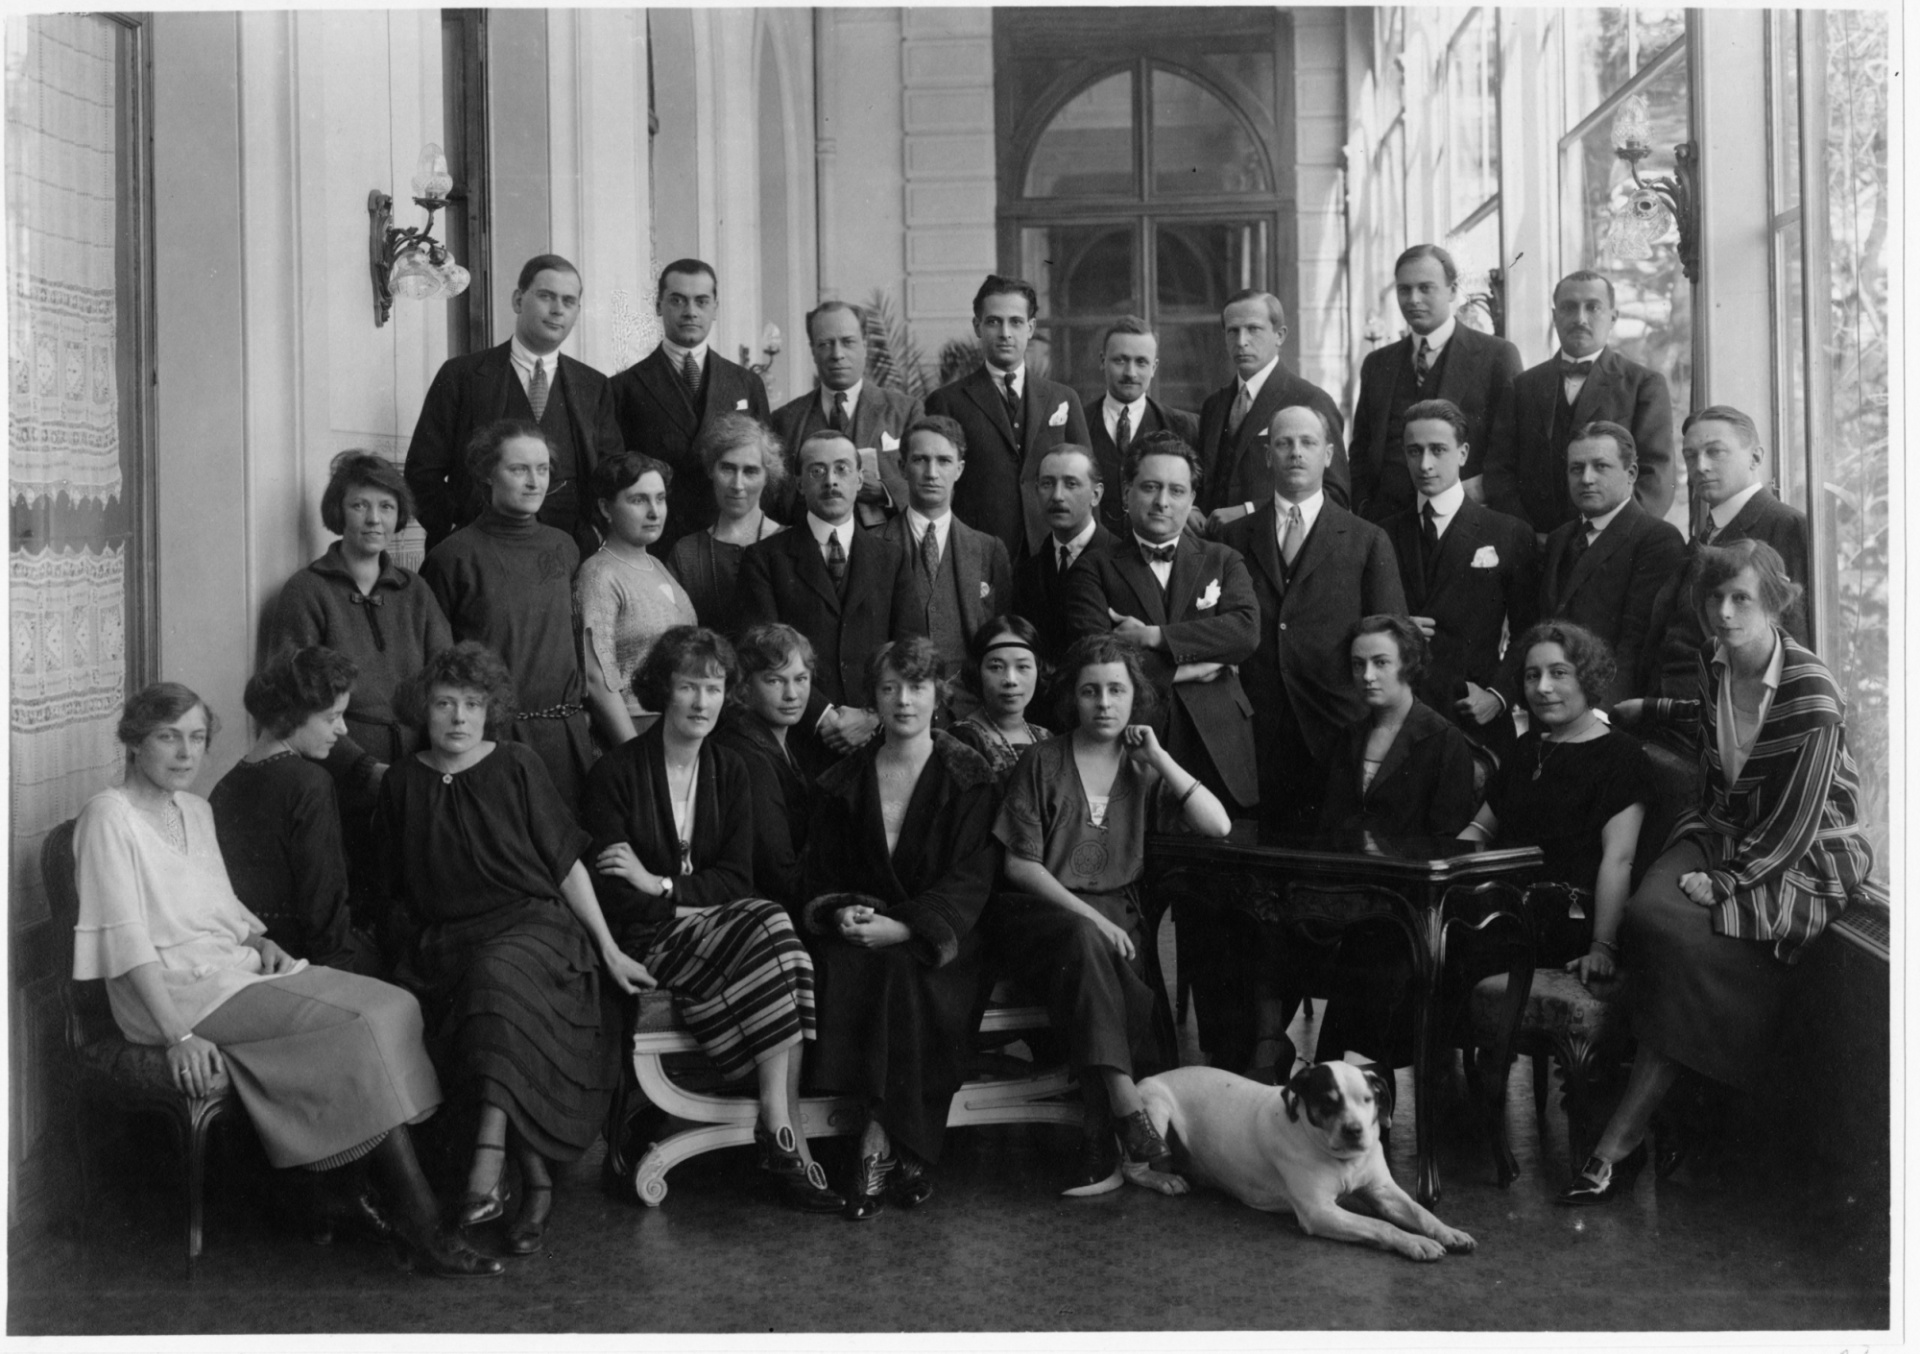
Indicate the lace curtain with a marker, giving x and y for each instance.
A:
(67, 555)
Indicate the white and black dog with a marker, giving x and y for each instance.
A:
(1255, 1142)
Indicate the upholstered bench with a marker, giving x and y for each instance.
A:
(1562, 1019)
(671, 1076)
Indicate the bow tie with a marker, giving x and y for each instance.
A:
(1572, 367)
(1159, 554)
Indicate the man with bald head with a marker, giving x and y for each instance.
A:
(1234, 420)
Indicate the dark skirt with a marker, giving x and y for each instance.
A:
(517, 1016)
(896, 1033)
(1709, 1002)
(741, 980)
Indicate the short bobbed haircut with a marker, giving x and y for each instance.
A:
(155, 706)
(683, 651)
(913, 659)
(1088, 651)
(466, 666)
(1719, 564)
(1162, 443)
(1429, 251)
(295, 685)
(1414, 654)
(621, 471)
(1003, 630)
(732, 430)
(489, 445)
(1438, 411)
(768, 647)
(1591, 656)
(996, 285)
(357, 469)
(1623, 439)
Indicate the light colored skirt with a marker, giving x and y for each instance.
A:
(741, 979)
(326, 1062)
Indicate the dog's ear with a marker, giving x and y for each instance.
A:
(1296, 1089)
(1382, 1097)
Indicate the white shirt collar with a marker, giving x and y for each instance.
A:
(525, 359)
(1596, 525)
(1437, 340)
(852, 393)
(822, 529)
(1019, 378)
(1110, 410)
(1259, 378)
(918, 522)
(1723, 513)
(1309, 512)
(1776, 665)
(678, 354)
(1445, 504)
(1079, 542)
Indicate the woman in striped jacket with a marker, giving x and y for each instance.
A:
(1751, 877)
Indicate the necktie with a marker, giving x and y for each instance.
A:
(1571, 367)
(1157, 554)
(1123, 432)
(837, 420)
(1296, 533)
(1581, 540)
(1066, 560)
(930, 551)
(1429, 535)
(1423, 361)
(537, 391)
(1708, 531)
(1012, 397)
(836, 560)
(690, 373)
(1238, 415)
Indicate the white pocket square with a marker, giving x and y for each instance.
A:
(741, 405)
(1210, 597)
(888, 442)
(1059, 419)
(986, 591)
(1486, 557)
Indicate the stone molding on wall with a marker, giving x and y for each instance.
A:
(946, 62)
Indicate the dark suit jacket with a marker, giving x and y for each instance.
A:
(1526, 467)
(1235, 469)
(1156, 417)
(1345, 570)
(1476, 373)
(996, 493)
(784, 578)
(467, 394)
(1670, 658)
(1487, 575)
(657, 418)
(1424, 787)
(1611, 588)
(1207, 615)
(1040, 592)
(977, 558)
(878, 411)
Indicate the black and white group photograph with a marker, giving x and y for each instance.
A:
(1093, 676)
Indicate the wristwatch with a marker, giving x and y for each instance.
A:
(666, 886)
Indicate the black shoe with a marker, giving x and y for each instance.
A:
(1143, 1144)
(868, 1197)
(1099, 1169)
(448, 1257)
(806, 1190)
(529, 1230)
(910, 1186)
(1671, 1148)
(1600, 1181)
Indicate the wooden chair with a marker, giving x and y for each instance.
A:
(112, 1074)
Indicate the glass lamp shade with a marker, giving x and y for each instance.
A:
(1633, 127)
(770, 340)
(414, 275)
(454, 279)
(430, 178)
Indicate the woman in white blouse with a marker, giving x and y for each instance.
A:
(328, 1064)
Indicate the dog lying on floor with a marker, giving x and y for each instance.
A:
(1304, 1146)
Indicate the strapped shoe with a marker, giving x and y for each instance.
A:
(868, 1197)
(1600, 1181)
(529, 1230)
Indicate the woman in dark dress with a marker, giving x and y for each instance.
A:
(762, 725)
(511, 938)
(1074, 824)
(671, 818)
(1403, 771)
(277, 817)
(506, 581)
(1752, 875)
(900, 860)
(1002, 673)
(742, 457)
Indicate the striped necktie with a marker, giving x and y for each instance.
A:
(537, 390)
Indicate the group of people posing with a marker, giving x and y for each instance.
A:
(824, 718)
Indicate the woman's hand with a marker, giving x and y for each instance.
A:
(1698, 887)
(1596, 965)
(1143, 746)
(194, 1063)
(862, 926)
(628, 973)
(1116, 936)
(273, 959)
(620, 861)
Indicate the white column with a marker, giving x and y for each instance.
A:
(1732, 313)
(947, 115)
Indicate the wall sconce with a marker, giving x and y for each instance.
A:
(410, 262)
(770, 344)
(1375, 332)
(1488, 291)
(1635, 224)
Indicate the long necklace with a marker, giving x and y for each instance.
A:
(1549, 743)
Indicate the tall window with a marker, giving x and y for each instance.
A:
(1469, 155)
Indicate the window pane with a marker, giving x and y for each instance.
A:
(1082, 271)
(1474, 251)
(1198, 264)
(1786, 110)
(1597, 57)
(1474, 116)
(1199, 146)
(1655, 30)
(1087, 150)
(1791, 344)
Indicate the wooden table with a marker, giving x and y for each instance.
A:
(1407, 881)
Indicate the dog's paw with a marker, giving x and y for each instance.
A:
(1149, 1178)
(1419, 1247)
(1455, 1240)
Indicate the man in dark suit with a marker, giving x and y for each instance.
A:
(1317, 569)
(848, 591)
(1234, 420)
(1725, 473)
(529, 378)
(1129, 357)
(1441, 359)
(1587, 382)
(1071, 488)
(1468, 573)
(664, 400)
(1604, 568)
(961, 577)
(1010, 417)
(845, 401)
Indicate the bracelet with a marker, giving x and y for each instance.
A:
(181, 1040)
(1608, 946)
(1181, 802)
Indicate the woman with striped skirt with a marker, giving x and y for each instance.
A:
(671, 817)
